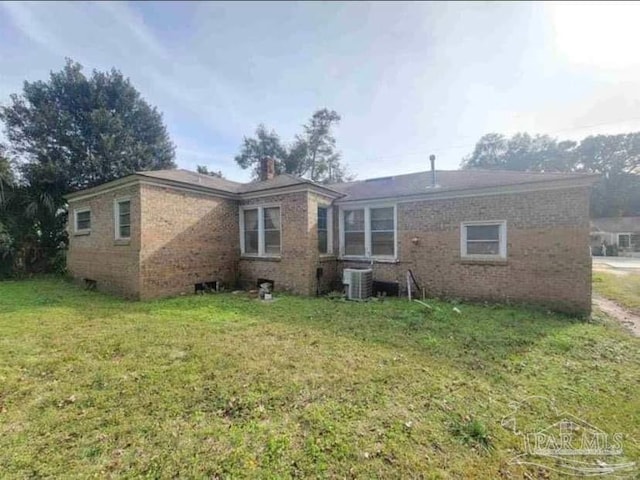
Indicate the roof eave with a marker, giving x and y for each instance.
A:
(137, 178)
(435, 193)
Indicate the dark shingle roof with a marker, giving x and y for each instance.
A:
(279, 181)
(447, 180)
(217, 183)
(385, 187)
(194, 178)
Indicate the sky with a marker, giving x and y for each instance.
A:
(408, 79)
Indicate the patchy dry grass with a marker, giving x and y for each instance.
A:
(622, 289)
(226, 386)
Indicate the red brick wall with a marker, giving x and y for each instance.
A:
(187, 238)
(113, 264)
(548, 260)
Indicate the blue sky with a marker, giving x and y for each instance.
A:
(409, 79)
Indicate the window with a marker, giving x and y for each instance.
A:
(324, 230)
(123, 219)
(369, 232)
(484, 239)
(83, 220)
(382, 231)
(251, 231)
(624, 240)
(354, 232)
(260, 231)
(272, 231)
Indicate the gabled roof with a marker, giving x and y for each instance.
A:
(447, 181)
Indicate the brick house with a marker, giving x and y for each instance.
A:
(480, 235)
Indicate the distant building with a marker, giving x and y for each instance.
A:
(621, 234)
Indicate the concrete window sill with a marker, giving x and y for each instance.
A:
(82, 233)
(326, 257)
(122, 242)
(368, 260)
(260, 259)
(498, 262)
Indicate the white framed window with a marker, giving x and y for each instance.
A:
(271, 227)
(483, 240)
(325, 230)
(353, 238)
(251, 231)
(383, 231)
(260, 231)
(369, 232)
(82, 220)
(122, 216)
(624, 240)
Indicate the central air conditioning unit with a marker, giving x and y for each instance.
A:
(358, 282)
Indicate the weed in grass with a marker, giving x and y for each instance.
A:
(472, 432)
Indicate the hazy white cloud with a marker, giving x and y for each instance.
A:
(409, 79)
(595, 44)
(134, 24)
(25, 19)
(601, 35)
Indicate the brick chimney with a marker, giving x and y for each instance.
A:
(267, 168)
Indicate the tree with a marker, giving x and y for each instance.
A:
(489, 152)
(616, 157)
(6, 173)
(520, 152)
(7, 243)
(264, 144)
(609, 154)
(73, 132)
(212, 173)
(79, 132)
(312, 154)
(321, 159)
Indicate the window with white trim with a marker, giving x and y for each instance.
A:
(271, 217)
(382, 231)
(624, 240)
(369, 232)
(123, 219)
(484, 240)
(82, 220)
(324, 230)
(251, 231)
(260, 231)
(354, 232)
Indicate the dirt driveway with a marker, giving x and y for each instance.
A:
(630, 321)
(621, 266)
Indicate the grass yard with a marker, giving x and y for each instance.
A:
(225, 386)
(622, 289)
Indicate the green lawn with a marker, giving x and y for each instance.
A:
(226, 386)
(622, 289)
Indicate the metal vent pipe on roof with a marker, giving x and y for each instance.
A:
(432, 159)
